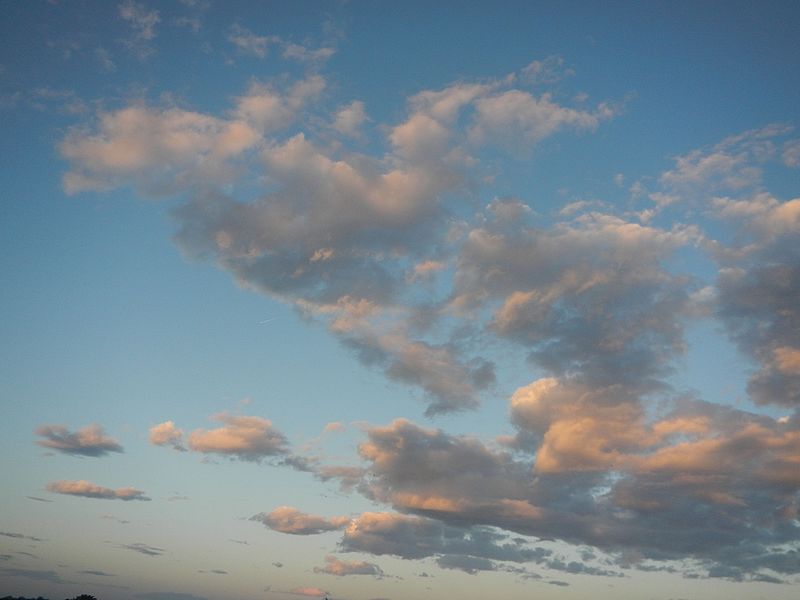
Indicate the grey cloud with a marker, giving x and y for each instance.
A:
(144, 549)
(468, 564)
(695, 484)
(34, 574)
(758, 304)
(96, 573)
(589, 297)
(87, 441)
(419, 537)
(20, 536)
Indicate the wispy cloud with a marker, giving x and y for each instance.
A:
(88, 489)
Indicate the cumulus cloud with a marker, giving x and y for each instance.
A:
(588, 296)
(334, 566)
(287, 519)
(166, 434)
(349, 119)
(160, 150)
(90, 440)
(390, 251)
(340, 235)
(593, 470)
(87, 489)
(244, 437)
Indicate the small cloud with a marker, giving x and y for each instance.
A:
(87, 441)
(96, 573)
(287, 519)
(88, 489)
(144, 549)
(20, 536)
(340, 568)
(38, 499)
(113, 518)
(304, 54)
(547, 71)
(278, 565)
(333, 427)
(249, 43)
(313, 592)
(166, 434)
(247, 438)
(143, 27)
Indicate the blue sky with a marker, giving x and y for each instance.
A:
(400, 300)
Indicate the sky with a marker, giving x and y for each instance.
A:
(388, 300)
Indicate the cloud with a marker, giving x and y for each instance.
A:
(214, 571)
(516, 119)
(160, 150)
(734, 164)
(547, 71)
(248, 438)
(96, 573)
(34, 574)
(588, 296)
(87, 441)
(248, 43)
(468, 564)
(166, 434)
(349, 119)
(144, 549)
(334, 566)
(313, 592)
(599, 473)
(90, 490)
(414, 537)
(20, 536)
(143, 25)
(287, 519)
(756, 288)
(303, 54)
